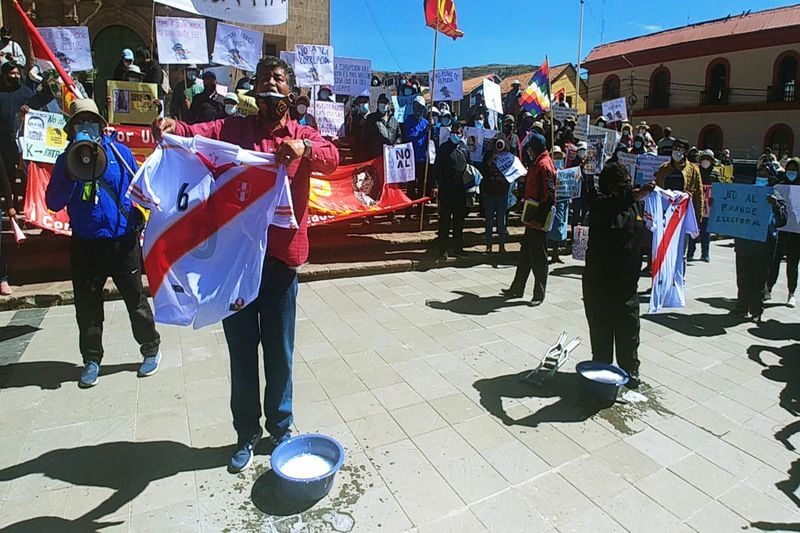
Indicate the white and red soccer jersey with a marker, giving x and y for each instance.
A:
(211, 205)
(670, 216)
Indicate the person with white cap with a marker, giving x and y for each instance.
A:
(511, 101)
(415, 130)
(125, 62)
(232, 105)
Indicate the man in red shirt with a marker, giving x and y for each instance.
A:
(270, 319)
(539, 185)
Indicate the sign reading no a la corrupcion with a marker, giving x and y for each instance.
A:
(313, 65)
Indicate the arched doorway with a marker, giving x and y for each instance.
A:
(659, 88)
(785, 77)
(108, 45)
(711, 138)
(718, 76)
(780, 138)
(611, 87)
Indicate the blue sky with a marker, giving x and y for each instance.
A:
(393, 33)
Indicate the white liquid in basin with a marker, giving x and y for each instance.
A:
(603, 376)
(306, 466)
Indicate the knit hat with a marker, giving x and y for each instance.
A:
(537, 142)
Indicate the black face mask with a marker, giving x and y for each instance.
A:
(507, 129)
(275, 105)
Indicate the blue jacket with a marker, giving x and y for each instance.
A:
(415, 131)
(100, 216)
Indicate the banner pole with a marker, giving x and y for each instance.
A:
(430, 126)
(550, 97)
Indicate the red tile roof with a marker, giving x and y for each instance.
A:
(734, 25)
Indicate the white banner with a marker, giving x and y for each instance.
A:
(448, 84)
(43, 138)
(330, 118)
(561, 113)
(70, 45)
(791, 193)
(444, 135)
(616, 110)
(313, 64)
(582, 128)
(261, 12)
(580, 242)
(237, 47)
(398, 163)
(181, 41)
(352, 77)
(510, 166)
(629, 162)
(492, 96)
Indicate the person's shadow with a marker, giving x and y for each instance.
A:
(14, 331)
(126, 467)
(468, 303)
(50, 374)
(570, 407)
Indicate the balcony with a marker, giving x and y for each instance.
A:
(785, 94)
(660, 101)
(715, 96)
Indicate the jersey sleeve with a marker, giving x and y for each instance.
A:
(650, 209)
(141, 188)
(690, 226)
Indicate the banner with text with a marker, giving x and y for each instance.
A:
(448, 84)
(352, 77)
(313, 64)
(561, 113)
(568, 184)
(647, 165)
(616, 110)
(398, 163)
(261, 12)
(492, 96)
(70, 45)
(510, 166)
(43, 138)
(740, 211)
(36, 211)
(132, 103)
(181, 41)
(237, 47)
(330, 118)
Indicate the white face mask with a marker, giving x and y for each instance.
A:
(231, 109)
(677, 156)
(642, 131)
(383, 108)
(302, 108)
(705, 163)
(581, 153)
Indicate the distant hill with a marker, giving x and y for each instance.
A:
(503, 71)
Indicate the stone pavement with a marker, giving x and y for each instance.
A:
(415, 373)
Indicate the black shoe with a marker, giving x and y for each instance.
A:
(536, 302)
(633, 381)
(738, 312)
(460, 254)
(511, 293)
(443, 256)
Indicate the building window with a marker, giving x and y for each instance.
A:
(718, 75)
(710, 138)
(611, 87)
(780, 138)
(784, 77)
(659, 88)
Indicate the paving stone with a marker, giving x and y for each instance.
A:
(704, 475)
(673, 493)
(509, 511)
(418, 419)
(636, 512)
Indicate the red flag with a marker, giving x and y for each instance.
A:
(441, 15)
(43, 53)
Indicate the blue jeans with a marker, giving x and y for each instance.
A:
(495, 206)
(270, 320)
(705, 241)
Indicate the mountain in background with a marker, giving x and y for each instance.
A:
(501, 70)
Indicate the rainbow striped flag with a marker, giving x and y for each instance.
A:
(536, 98)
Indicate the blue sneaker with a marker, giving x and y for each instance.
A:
(90, 374)
(245, 450)
(149, 366)
(283, 438)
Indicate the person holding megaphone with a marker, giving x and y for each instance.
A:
(90, 179)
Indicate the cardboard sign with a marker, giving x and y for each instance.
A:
(740, 211)
(448, 84)
(444, 134)
(70, 45)
(313, 64)
(43, 138)
(647, 165)
(398, 163)
(612, 138)
(568, 184)
(181, 41)
(330, 118)
(263, 13)
(791, 193)
(629, 162)
(492, 96)
(352, 77)
(616, 110)
(595, 155)
(580, 242)
(561, 113)
(237, 47)
(582, 128)
(510, 166)
(132, 103)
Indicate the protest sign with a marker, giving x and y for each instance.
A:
(582, 127)
(616, 110)
(474, 139)
(580, 242)
(403, 107)
(237, 47)
(288, 56)
(330, 118)
(36, 212)
(132, 103)
(138, 138)
(740, 211)
(595, 155)
(398, 163)
(612, 138)
(791, 193)
(707, 196)
(647, 165)
(571, 155)
(562, 113)
(447, 83)
(352, 77)
(629, 162)
(510, 166)
(181, 41)
(313, 64)
(261, 12)
(70, 45)
(444, 135)
(43, 137)
(247, 104)
(568, 184)
(492, 96)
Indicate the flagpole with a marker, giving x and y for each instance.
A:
(549, 97)
(430, 126)
(578, 68)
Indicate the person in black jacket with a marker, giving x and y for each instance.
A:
(208, 105)
(611, 276)
(150, 69)
(448, 187)
(380, 129)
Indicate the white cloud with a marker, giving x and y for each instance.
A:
(652, 27)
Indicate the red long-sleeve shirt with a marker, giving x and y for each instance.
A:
(287, 245)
